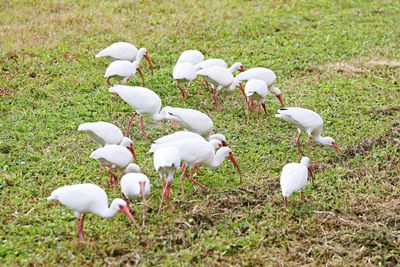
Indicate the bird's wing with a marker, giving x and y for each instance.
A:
(115, 154)
(184, 71)
(193, 120)
(176, 136)
(121, 68)
(119, 50)
(218, 75)
(168, 156)
(267, 75)
(102, 132)
(303, 118)
(142, 99)
(191, 56)
(293, 178)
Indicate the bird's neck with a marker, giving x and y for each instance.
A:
(217, 161)
(107, 213)
(158, 117)
(322, 140)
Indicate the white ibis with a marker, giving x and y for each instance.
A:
(199, 152)
(136, 186)
(90, 198)
(122, 69)
(115, 157)
(307, 121)
(190, 119)
(167, 160)
(184, 72)
(191, 56)
(219, 78)
(267, 75)
(294, 177)
(125, 51)
(186, 134)
(143, 100)
(221, 63)
(105, 133)
(256, 90)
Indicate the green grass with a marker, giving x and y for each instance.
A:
(340, 59)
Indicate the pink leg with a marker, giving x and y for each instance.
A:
(201, 86)
(184, 166)
(298, 144)
(258, 110)
(182, 91)
(130, 123)
(80, 228)
(309, 143)
(142, 128)
(195, 181)
(100, 171)
(215, 96)
(285, 202)
(110, 177)
(197, 169)
(247, 111)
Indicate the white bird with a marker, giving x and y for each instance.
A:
(221, 63)
(267, 75)
(90, 198)
(294, 177)
(136, 186)
(190, 119)
(199, 152)
(167, 161)
(191, 56)
(184, 72)
(143, 100)
(307, 121)
(186, 134)
(125, 51)
(105, 133)
(115, 157)
(256, 90)
(219, 78)
(122, 69)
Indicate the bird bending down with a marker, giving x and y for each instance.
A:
(167, 161)
(105, 133)
(190, 119)
(307, 121)
(124, 70)
(219, 78)
(267, 75)
(191, 56)
(125, 51)
(115, 157)
(186, 134)
(90, 198)
(256, 90)
(199, 152)
(294, 177)
(184, 72)
(136, 186)
(143, 100)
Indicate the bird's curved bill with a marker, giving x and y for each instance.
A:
(146, 56)
(127, 213)
(139, 70)
(241, 69)
(336, 147)
(280, 100)
(242, 90)
(133, 152)
(232, 158)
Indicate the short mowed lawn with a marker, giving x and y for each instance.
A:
(338, 58)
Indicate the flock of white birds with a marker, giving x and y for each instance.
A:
(195, 146)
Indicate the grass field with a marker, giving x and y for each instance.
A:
(338, 58)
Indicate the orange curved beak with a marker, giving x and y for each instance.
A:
(125, 210)
(232, 158)
(336, 147)
(133, 152)
(139, 70)
(146, 56)
(242, 90)
(280, 100)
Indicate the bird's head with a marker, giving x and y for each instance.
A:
(132, 168)
(144, 53)
(329, 141)
(128, 143)
(219, 137)
(166, 112)
(119, 205)
(227, 153)
(278, 93)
